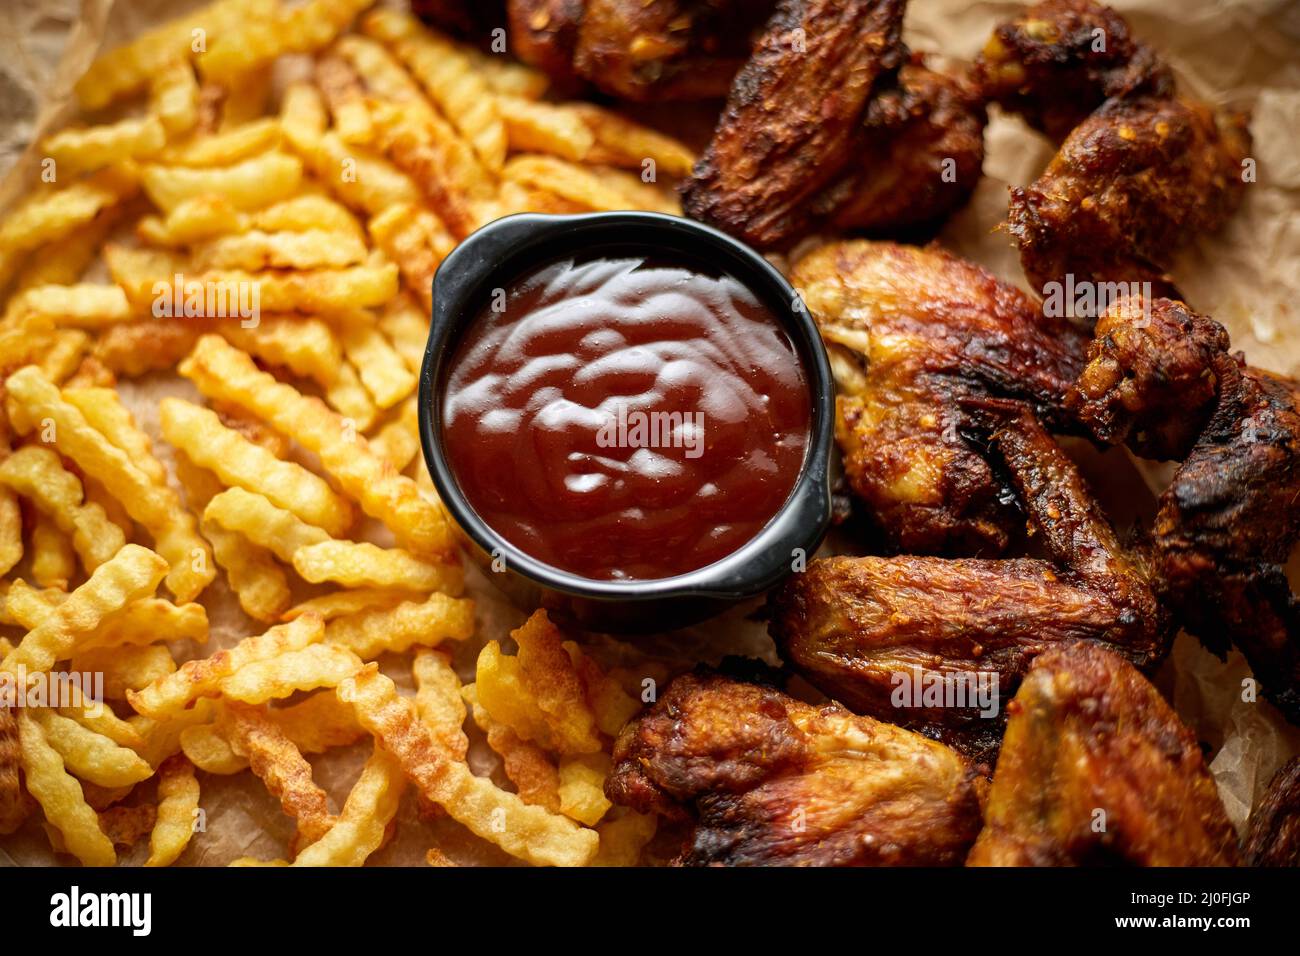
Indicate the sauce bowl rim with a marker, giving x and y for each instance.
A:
(499, 251)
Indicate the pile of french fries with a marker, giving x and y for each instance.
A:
(257, 204)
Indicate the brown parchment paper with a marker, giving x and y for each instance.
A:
(1245, 52)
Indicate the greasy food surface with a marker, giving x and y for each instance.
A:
(794, 116)
(914, 333)
(1130, 185)
(1274, 836)
(1097, 769)
(855, 626)
(1061, 59)
(771, 780)
(1229, 518)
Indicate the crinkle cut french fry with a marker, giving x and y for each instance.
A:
(527, 765)
(134, 572)
(582, 787)
(149, 620)
(527, 832)
(154, 505)
(162, 738)
(11, 531)
(449, 77)
(52, 561)
(414, 238)
(61, 797)
(304, 120)
(305, 346)
(178, 803)
(394, 630)
(225, 149)
(226, 373)
(100, 719)
(249, 184)
(65, 354)
(49, 215)
(623, 838)
(346, 98)
(310, 668)
(622, 142)
(362, 564)
(85, 305)
(439, 702)
(258, 582)
(91, 147)
(280, 765)
(318, 723)
(89, 755)
(347, 396)
(313, 290)
(382, 370)
(13, 805)
(65, 261)
(398, 441)
(208, 749)
(37, 473)
(596, 189)
(407, 327)
(128, 68)
(202, 677)
(255, 250)
(103, 409)
(147, 345)
(444, 168)
(128, 668)
(279, 531)
(353, 601)
(238, 462)
(534, 127)
(306, 28)
(359, 177)
(361, 827)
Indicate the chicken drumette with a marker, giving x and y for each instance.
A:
(823, 129)
(771, 780)
(1061, 59)
(1230, 517)
(860, 628)
(913, 333)
(1140, 170)
(1096, 769)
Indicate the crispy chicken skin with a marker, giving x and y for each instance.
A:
(654, 50)
(794, 117)
(1274, 836)
(921, 154)
(544, 34)
(1129, 186)
(1227, 523)
(770, 780)
(914, 332)
(854, 627)
(1088, 735)
(1061, 59)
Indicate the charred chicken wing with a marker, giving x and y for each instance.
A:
(914, 332)
(1230, 517)
(794, 118)
(862, 629)
(770, 780)
(1274, 837)
(1128, 187)
(1061, 59)
(1097, 769)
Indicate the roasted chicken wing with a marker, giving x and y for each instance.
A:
(1129, 186)
(1097, 769)
(921, 153)
(872, 631)
(1061, 59)
(794, 119)
(770, 780)
(1228, 521)
(1274, 837)
(914, 332)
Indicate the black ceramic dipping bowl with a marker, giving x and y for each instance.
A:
(501, 252)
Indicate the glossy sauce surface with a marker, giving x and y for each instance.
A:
(626, 419)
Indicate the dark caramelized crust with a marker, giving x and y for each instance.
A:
(1096, 769)
(920, 155)
(654, 50)
(1061, 59)
(1274, 837)
(771, 780)
(929, 331)
(544, 34)
(855, 627)
(1162, 379)
(1130, 185)
(1150, 381)
(794, 117)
